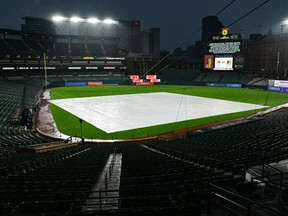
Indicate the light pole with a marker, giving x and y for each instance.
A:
(277, 64)
(82, 140)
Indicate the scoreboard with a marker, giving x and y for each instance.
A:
(224, 52)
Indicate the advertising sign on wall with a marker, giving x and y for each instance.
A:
(75, 83)
(208, 61)
(223, 63)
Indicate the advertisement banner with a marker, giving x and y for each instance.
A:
(144, 83)
(229, 85)
(75, 83)
(281, 83)
(95, 83)
(208, 61)
(151, 77)
(278, 89)
(271, 82)
(134, 77)
(216, 84)
(234, 85)
(239, 62)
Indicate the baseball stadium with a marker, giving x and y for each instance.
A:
(97, 121)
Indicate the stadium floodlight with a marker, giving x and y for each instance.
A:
(109, 21)
(93, 20)
(285, 22)
(76, 19)
(59, 18)
(282, 24)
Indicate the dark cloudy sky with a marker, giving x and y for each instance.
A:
(177, 19)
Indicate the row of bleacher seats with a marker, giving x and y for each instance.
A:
(235, 147)
(24, 162)
(179, 76)
(258, 82)
(225, 77)
(19, 93)
(15, 96)
(56, 182)
(11, 98)
(34, 48)
(195, 76)
(212, 77)
(200, 77)
(18, 46)
(150, 179)
(175, 173)
(32, 91)
(232, 77)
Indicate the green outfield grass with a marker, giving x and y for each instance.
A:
(69, 124)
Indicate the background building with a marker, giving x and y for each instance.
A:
(267, 56)
(38, 25)
(211, 25)
(127, 33)
(148, 42)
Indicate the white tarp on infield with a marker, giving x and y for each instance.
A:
(132, 111)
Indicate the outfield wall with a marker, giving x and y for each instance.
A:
(192, 77)
(87, 81)
(278, 85)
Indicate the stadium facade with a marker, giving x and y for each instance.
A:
(126, 35)
(118, 41)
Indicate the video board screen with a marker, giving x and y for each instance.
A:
(225, 47)
(223, 63)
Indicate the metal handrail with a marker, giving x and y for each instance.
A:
(249, 201)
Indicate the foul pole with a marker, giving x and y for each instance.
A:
(45, 71)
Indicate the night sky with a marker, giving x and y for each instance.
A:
(177, 19)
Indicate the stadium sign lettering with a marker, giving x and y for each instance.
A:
(8, 68)
(278, 89)
(224, 48)
(226, 37)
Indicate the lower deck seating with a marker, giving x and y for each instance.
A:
(58, 186)
(243, 145)
(152, 179)
(15, 96)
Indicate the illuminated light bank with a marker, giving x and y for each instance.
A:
(76, 19)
